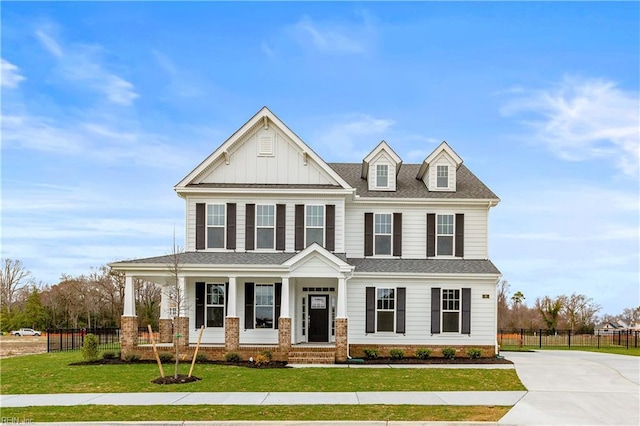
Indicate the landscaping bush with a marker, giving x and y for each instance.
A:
(132, 357)
(267, 354)
(261, 359)
(166, 357)
(474, 353)
(110, 355)
(371, 353)
(202, 357)
(423, 353)
(396, 353)
(449, 353)
(90, 347)
(232, 357)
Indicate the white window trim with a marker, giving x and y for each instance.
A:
(323, 226)
(446, 166)
(375, 251)
(453, 236)
(265, 227)
(215, 305)
(380, 166)
(459, 310)
(273, 306)
(224, 226)
(395, 306)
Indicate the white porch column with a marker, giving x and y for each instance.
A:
(284, 302)
(182, 299)
(232, 298)
(341, 312)
(164, 302)
(129, 297)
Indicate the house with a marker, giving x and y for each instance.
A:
(317, 261)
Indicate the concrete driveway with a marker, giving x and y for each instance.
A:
(576, 388)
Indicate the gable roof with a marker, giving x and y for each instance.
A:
(444, 146)
(382, 146)
(262, 117)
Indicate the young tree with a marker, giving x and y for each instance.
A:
(177, 297)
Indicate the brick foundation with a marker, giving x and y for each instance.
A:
(284, 335)
(166, 330)
(341, 339)
(232, 333)
(183, 330)
(128, 335)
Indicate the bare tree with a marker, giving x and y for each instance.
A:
(177, 297)
(503, 306)
(579, 312)
(12, 278)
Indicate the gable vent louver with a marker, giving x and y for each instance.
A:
(266, 145)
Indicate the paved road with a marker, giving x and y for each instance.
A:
(576, 388)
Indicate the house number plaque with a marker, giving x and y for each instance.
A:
(318, 302)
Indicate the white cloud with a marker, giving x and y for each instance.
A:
(334, 37)
(583, 119)
(49, 43)
(11, 76)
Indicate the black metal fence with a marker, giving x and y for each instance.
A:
(71, 339)
(509, 339)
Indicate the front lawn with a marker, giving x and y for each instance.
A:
(51, 373)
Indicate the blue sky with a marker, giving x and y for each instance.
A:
(105, 106)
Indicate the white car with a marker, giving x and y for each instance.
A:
(26, 332)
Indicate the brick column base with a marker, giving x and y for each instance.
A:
(128, 335)
(341, 339)
(231, 333)
(166, 330)
(284, 335)
(182, 328)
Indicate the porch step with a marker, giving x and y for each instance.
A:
(312, 356)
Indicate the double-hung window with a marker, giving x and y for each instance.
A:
(444, 235)
(382, 234)
(265, 226)
(215, 305)
(450, 311)
(382, 175)
(385, 309)
(215, 225)
(314, 225)
(442, 176)
(264, 306)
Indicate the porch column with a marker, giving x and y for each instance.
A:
(166, 322)
(129, 297)
(129, 320)
(232, 322)
(182, 326)
(341, 312)
(342, 350)
(284, 322)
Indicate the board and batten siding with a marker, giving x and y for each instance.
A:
(241, 203)
(418, 313)
(414, 225)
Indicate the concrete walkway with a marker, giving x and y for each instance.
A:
(576, 388)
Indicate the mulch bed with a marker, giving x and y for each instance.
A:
(171, 380)
(437, 361)
(248, 364)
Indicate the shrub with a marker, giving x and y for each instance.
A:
(166, 357)
(449, 353)
(132, 357)
(371, 353)
(474, 353)
(423, 353)
(267, 354)
(396, 353)
(90, 347)
(261, 359)
(202, 357)
(232, 357)
(110, 355)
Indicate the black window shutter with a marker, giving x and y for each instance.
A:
(281, 223)
(397, 234)
(200, 226)
(368, 234)
(330, 227)
(200, 295)
(435, 310)
(431, 234)
(459, 235)
(371, 310)
(466, 311)
(226, 298)
(231, 226)
(278, 303)
(248, 305)
(299, 244)
(401, 316)
(250, 221)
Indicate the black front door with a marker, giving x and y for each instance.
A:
(318, 318)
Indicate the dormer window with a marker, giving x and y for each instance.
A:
(442, 177)
(382, 175)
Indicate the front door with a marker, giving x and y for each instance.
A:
(318, 318)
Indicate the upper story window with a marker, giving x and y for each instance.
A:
(382, 175)
(215, 225)
(382, 234)
(450, 311)
(385, 309)
(442, 177)
(265, 226)
(264, 306)
(215, 305)
(314, 224)
(444, 235)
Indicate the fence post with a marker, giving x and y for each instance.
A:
(569, 338)
(521, 337)
(627, 333)
(540, 334)
(598, 334)
(636, 339)
(48, 338)
(60, 340)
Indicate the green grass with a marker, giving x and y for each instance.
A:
(95, 413)
(51, 373)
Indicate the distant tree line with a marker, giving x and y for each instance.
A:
(94, 300)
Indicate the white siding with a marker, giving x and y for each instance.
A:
(441, 160)
(382, 158)
(418, 313)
